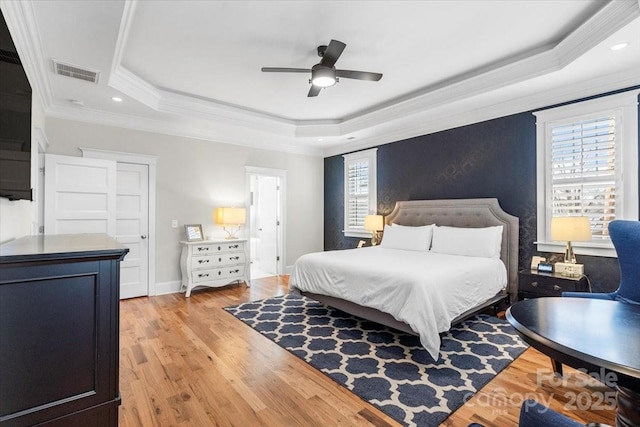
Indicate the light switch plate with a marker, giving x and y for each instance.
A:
(174, 223)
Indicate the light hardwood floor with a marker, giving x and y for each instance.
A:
(187, 362)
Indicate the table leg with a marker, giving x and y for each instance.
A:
(628, 401)
(557, 366)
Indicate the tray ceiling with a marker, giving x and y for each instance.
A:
(192, 68)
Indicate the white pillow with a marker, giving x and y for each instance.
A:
(477, 242)
(407, 238)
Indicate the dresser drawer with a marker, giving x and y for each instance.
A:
(218, 248)
(206, 275)
(208, 261)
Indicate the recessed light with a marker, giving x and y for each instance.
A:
(116, 99)
(619, 46)
(320, 139)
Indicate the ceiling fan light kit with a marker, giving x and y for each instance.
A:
(323, 76)
(324, 73)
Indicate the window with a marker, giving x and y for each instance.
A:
(587, 165)
(359, 191)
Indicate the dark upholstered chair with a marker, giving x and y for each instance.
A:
(625, 236)
(533, 414)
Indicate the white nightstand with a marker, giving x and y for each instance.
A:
(213, 263)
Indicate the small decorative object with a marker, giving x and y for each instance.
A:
(194, 232)
(230, 217)
(375, 224)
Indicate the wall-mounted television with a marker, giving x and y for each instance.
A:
(15, 121)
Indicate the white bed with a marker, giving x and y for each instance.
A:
(417, 291)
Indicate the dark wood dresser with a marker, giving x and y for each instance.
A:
(59, 330)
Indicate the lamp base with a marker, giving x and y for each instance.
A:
(569, 255)
(231, 234)
(375, 238)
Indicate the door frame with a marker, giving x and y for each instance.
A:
(282, 194)
(150, 161)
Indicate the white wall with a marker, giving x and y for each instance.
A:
(17, 217)
(194, 177)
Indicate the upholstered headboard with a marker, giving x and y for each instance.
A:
(466, 213)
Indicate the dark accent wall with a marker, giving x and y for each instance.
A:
(495, 158)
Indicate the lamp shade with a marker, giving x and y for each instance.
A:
(230, 216)
(571, 229)
(374, 222)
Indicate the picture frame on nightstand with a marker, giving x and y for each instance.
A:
(193, 232)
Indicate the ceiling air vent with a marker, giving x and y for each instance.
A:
(74, 71)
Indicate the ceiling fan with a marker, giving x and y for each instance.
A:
(324, 73)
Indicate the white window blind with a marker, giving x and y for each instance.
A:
(583, 171)
(587, 165)
(358, 188)
(359, 191)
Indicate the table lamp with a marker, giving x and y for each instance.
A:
(375, 224)
(230, 217)
(570, 229)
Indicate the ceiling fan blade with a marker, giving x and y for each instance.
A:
(359, 75)
(285, 70)
(333, 52)
(314, 91)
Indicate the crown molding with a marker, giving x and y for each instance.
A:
(527, 65)
(20, 19)
(184, 128)
(431, 121)
(611, 18)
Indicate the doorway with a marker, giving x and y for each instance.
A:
(265, 199)
(135, 218)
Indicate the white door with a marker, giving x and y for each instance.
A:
(86, 195)
(132, 227)
(80, 195)
(267, 223)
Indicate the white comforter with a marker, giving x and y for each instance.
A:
(423, 289)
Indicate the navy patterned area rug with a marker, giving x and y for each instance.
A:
(388, 368)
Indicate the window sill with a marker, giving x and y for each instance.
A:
(591, 249)
(361, 234)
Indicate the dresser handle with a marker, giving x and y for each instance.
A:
(534, 284)
(200, 248)
(219, 248)
(233, 247)
(234, 258)
(557, 288)
(202, 261)
(234, 271)
(219, 273)
(203, 275)
(219, 259)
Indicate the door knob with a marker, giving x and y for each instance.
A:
(144, 236)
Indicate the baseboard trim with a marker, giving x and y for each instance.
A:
(171, 287)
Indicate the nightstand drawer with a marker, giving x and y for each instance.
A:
(532, 284)
(542, 285)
